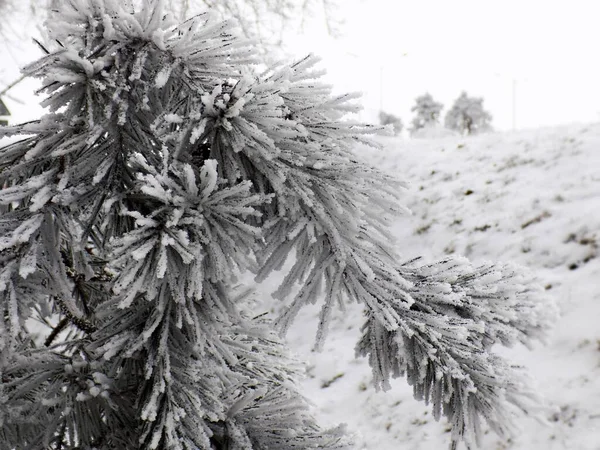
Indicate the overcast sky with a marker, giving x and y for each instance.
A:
(395, 50)
(549, 50)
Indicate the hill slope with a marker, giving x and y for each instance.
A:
(532, 197)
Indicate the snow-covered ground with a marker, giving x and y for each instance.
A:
(532, 197)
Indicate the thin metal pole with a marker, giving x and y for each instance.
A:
(514, 104)
(380, 88)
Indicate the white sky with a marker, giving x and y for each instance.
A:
(406, 48)
(550, 48)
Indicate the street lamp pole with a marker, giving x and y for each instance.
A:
(514, 104)
(381, 88)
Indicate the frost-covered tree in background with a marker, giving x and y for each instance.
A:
(390, 119)
(427, 112)
(467, 115)
(166, 166)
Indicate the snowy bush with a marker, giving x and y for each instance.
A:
(427, 113)
(467, 115)
(390, 119)
(166, 166)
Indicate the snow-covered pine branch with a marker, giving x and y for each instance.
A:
(166, 165)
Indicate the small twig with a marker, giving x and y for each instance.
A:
(56, 331)
(12, 85)
(15, 99)
(260, 315)
(327, 383)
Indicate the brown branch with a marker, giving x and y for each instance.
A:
(56, 331)
(81, 323)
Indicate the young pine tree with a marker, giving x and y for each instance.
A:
(467, 115)
(427, 112)
(166, 166)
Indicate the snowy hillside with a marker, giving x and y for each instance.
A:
(532, 197)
